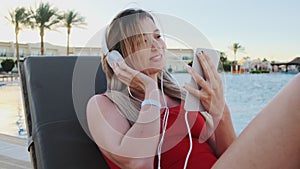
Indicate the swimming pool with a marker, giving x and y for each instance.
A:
(246, 95)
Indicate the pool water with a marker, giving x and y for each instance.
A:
(245, 94)
(12, 120)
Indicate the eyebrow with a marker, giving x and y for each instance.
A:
(156, 30)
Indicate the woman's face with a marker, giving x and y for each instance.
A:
(150, 54)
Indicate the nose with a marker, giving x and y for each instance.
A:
(155, 44)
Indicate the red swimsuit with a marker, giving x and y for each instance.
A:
(176, 142)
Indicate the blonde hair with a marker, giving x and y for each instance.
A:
(125, 36)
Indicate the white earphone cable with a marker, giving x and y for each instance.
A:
(132, 95)
(165, 122)
(190, 138)
(189, 133)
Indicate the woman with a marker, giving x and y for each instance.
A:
(134, 138)
(140, 121)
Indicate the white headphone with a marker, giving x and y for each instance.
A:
(112, 56)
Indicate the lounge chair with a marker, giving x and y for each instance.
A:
(56, 91)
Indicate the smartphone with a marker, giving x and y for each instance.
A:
(193, 103)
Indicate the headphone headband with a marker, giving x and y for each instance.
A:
(105, 49)
(112, 56)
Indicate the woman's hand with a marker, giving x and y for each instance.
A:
(211, 93)
(212, 98)
(131, 77)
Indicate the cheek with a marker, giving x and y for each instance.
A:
(139, 60)
(164, 46)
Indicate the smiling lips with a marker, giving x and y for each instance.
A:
(156, 58)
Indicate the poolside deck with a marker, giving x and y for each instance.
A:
(13, 149)
(13, 153)
(8, 77)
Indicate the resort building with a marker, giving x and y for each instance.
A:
(176, 58)
(292, 66)
(7, 50)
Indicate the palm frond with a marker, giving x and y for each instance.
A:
(19, 17)
(45, 16)
(73, 19)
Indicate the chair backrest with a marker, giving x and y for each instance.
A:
(56, 91)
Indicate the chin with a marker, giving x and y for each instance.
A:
(153, 70)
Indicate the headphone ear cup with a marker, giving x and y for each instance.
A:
(113, 57)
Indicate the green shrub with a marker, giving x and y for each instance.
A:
(170, 69)
(260, 71)
(226, 67)
(255, 71)
(265, 71)
(7, 65)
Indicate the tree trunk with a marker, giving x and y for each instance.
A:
(17, 51)
(234, 51)
(68, 42)
(42, 40)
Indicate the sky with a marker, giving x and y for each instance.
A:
(266, 29)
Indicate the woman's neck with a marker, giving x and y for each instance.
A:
(154, 76)
(169, 101)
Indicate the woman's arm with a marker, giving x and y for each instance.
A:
(224, 134)
(272, 139)
(128, 147)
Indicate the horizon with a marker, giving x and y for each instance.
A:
(169, 48)
(265, 30)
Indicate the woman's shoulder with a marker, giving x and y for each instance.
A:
(99, 97)
(99, 101)
(101, 112)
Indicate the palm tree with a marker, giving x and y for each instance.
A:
(44, 17)
(19, 18)
(223, 57)
(236, 47)
(72, 19)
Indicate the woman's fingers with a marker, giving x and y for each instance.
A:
(124, 72)
(198, 79)
(193, 91)
(128, 70)
(213, 69)
(131, 77)
(204, 65)
(212, 90)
